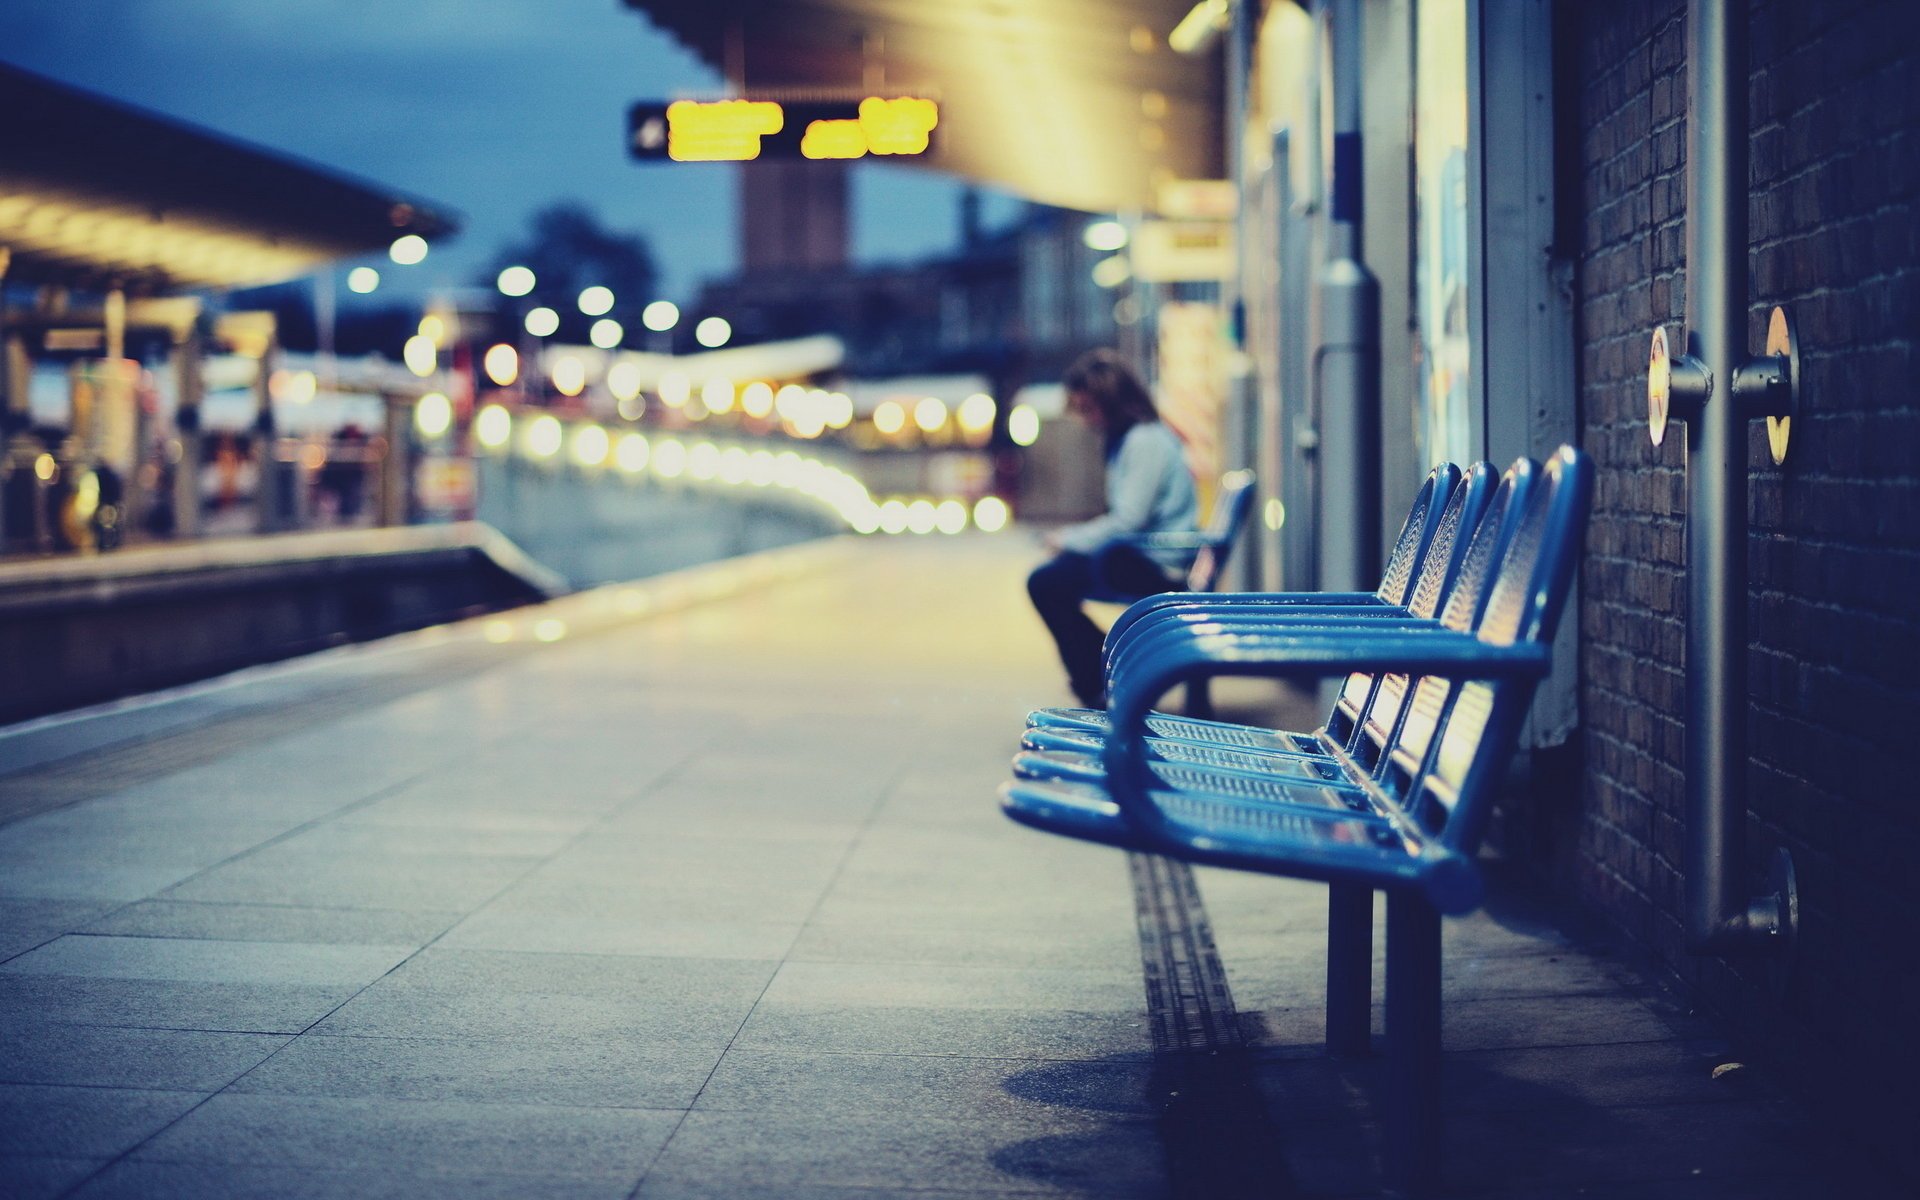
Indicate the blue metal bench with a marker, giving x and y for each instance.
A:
(1396, 584)
(1211, 547)
(1419, 818)
(1363, 718)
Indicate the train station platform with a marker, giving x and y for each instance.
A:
(697, 888)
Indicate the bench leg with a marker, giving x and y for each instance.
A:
(1413, 1045)
(1199, 700)
(1349, 969)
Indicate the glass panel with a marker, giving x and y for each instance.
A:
(1441, 286)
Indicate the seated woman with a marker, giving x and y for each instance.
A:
(1149, 490)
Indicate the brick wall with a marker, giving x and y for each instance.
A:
(1835, 534)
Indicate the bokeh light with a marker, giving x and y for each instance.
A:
(419, 355)
(1023, 425)
(515, 281)
(502, 364)
(660, 316)
(433, 415)
(544, 436)
(606, 333)
(492, 426)
(569, 375)
(990, 514)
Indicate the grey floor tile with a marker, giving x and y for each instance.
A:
(43, 1178)
(691, 1020)
(984, 1033)
(1089, 948)
(914, 985)
(955, 1088)
(640, 900)
(165, 1004)
(1549, 1021)
(25, 924)
(584, 1072)
(1608, 1147)
(1063, 1156)
(622, 978)
(188, 959)
(734, 1189)
(41, 1120)
(364, 881)
(137, 1180)
(94, 882)
(112, 1056)
(273, 923)
(416, 1136)
(729, 1189)
(501, 926)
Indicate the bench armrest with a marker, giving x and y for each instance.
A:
(1440, 652)
(1152, 635)
(1168, 540)
(1141, 609)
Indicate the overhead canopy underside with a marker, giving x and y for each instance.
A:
(96, 194)
(1077, 103)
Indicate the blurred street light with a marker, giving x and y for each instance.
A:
(515, 281)
(660, 316)
(419, 355)
(408, 250)
(1023, 425)
(1105, 236)
(502, 363)
(433, 415)
(542, 322)
(596, 301)
(606, 333)
(362, 280)
(713, 332)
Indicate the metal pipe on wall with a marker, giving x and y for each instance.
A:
(1347, 354)
(1720, 917)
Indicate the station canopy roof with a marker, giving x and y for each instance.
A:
(95, 193)
(1076, 103)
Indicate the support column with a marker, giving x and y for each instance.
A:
(391, 501)
(189, 388)
(1347, 353)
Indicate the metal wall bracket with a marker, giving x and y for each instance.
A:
(1678, 387)
(1769, 386)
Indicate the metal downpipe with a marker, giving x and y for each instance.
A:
(1719, 916)
(1346, 360)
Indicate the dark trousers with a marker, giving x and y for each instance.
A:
(1058, 589)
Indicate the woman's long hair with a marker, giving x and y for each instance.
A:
(1103, 377)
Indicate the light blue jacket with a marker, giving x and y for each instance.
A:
(1149, 490)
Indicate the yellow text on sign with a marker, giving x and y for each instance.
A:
(722, 131)
(897, 126)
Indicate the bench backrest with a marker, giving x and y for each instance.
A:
(1416, 533)
(1456, 738)
(1366, 699)
(1231, 504)
(1367, 713)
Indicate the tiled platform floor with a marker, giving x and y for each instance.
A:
(699, 890)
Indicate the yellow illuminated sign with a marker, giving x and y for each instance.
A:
(833, 139)
(743, 130)
(897, 126)
(723, 131)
